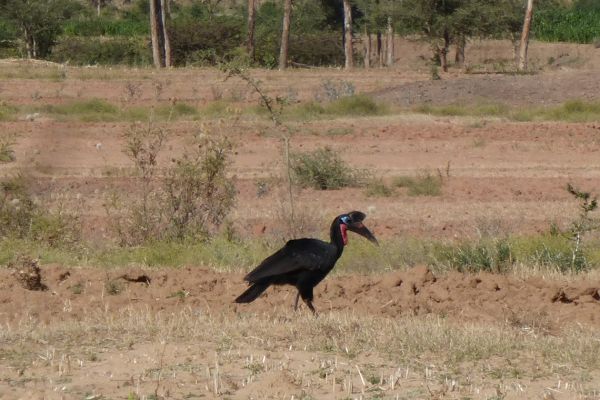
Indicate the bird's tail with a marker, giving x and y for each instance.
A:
(252, 292)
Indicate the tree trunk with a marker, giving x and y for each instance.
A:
(379, 52)
(367, 48)
(348, 48)
(390, 43)
(98, 7)
(251, 27)
(156, 56)
(28, 43)
(165, 33)
(459, 57)
(525, 37)
(285, 34)
(444, 51)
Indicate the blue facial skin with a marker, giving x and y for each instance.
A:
(345, 219)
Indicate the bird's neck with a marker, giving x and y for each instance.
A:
(338, 236)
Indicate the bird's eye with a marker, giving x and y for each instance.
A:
(345, 219)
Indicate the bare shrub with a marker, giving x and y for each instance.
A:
(198, 193)
(324, 169)
(191, 199)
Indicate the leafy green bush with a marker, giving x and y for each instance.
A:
(102, 50)
(579, 25)
(312, 41)
(105, 26)
(205, 42)
(323, 169)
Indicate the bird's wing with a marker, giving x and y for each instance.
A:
(299, 254)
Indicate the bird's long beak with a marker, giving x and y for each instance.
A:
(362, 230)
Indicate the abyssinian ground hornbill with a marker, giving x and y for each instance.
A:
(304, 263)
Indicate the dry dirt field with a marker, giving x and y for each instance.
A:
(153, 333)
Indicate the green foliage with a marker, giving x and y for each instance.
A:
(579, 25)
(93, 106)
(312, 41)
(102, 50)
(324, 169)
(38, 22)
(105, 26)
(205, 42)
(490, 255)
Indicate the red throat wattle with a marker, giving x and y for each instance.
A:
(344, 228)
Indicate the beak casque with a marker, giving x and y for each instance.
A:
(358, 227)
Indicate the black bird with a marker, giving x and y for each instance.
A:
(304, 263)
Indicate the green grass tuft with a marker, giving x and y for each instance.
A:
(7, 112)
(424, 184)
(378, 188)
(572, 111)
(357, 105)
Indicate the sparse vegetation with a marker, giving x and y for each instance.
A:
(22, 218)
(356, 105)
(324, 169)
(378, 188)
(424, 184)
(7, 111)
(194, 195)
(7, 153)
(572, 110)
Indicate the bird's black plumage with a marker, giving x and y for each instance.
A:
(304, 263)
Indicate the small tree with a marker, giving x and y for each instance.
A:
(38, 21)
(584, 224)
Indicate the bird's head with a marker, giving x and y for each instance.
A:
(353, 221)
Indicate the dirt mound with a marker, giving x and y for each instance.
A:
(534, 302)
(533, 90)
(27, 272)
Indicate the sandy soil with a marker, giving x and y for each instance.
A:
(75, 303)
(71, 293)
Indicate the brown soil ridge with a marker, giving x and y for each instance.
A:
(533, 90)
(532, 303)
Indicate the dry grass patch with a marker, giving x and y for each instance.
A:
(194, 352)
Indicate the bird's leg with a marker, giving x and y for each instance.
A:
(296, 302)
(310, 305)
